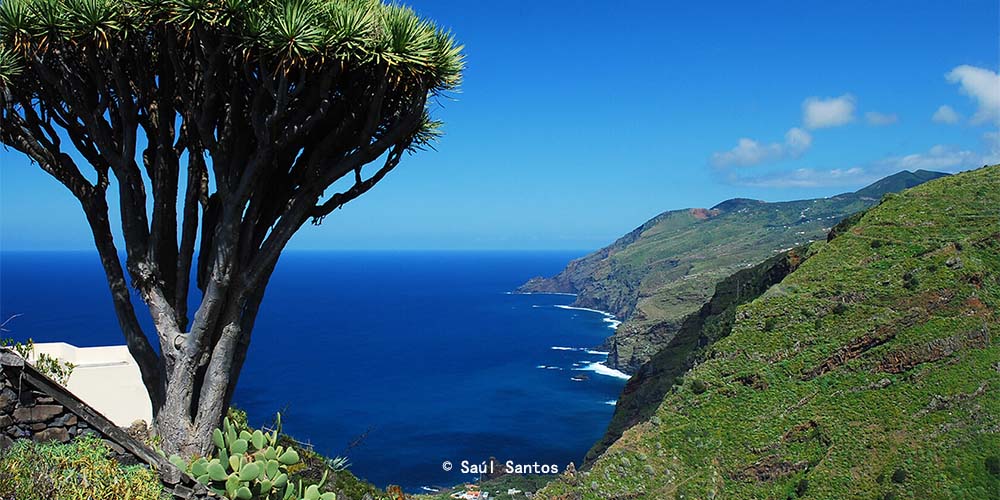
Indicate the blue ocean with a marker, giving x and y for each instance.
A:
(397, 360)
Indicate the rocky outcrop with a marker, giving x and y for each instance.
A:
(589, 278)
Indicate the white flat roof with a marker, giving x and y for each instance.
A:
(106, 378)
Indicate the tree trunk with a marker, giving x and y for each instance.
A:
(196, 396)
(185, 428)
(200, 385)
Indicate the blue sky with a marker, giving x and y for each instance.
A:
(577, 121)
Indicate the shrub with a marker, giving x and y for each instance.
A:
(899, 476)
(769, 324)
(82, 468)
(238, 418)
(875, 243)
(802, 487)
(840, 308)
(993, 465)
(54, 368)
(698, 386)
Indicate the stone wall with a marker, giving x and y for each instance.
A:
(26, 413)
(33, 406)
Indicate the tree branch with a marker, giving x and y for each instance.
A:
(189, 232)
(360, 187)
(304, 201)
(25, 133)
(151, 368)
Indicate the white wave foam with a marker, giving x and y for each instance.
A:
(580, 349)
(545, 367)
(601, 369)
(611, 402)
(598, 311)
(608, 317)
(427, 488)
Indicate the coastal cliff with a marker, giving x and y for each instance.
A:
(667, 268)
(870, 370)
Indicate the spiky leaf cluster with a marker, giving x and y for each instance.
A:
(364, 40)
(291, 33)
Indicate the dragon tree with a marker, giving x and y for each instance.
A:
(221, 127)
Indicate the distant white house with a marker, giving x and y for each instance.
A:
(106, 378)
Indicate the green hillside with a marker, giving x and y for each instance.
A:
(643, 393)
(667, 268)
(870, 371)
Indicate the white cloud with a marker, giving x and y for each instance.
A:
(750, 152)
(747, 152)
(828, 112)
(881, 119)
(939, 158)
(983, 86)
(798, 140)
(946, 114)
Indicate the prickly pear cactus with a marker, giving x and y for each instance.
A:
(250, 466)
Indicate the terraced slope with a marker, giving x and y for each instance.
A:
(667, 268)
(871, 371)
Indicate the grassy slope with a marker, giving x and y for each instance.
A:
(873, 357)
(666, 269)
(643, 393)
